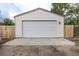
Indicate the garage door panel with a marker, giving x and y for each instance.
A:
(39, 29)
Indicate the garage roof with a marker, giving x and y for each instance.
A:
(35, 10)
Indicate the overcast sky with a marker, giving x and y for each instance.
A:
(12, 9)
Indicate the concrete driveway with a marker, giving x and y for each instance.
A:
(38, 47)
(40, 41)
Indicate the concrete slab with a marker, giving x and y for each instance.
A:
(52, 41)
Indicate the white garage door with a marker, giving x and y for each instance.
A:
(39, 28)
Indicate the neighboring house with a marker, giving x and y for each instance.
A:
(39, 23)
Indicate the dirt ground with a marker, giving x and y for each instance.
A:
(76, 40)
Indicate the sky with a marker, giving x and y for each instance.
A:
(24, 7)
(12, 9)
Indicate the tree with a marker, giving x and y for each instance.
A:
(69, 21)
(60, 8)
(69, 11)
(8, 21)
(1, 23)
(74, 12)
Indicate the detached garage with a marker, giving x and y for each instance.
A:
(39, 23)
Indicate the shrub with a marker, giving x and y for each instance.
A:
(8, 21)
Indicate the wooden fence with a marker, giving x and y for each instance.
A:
(9, 31)
(68, 31)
